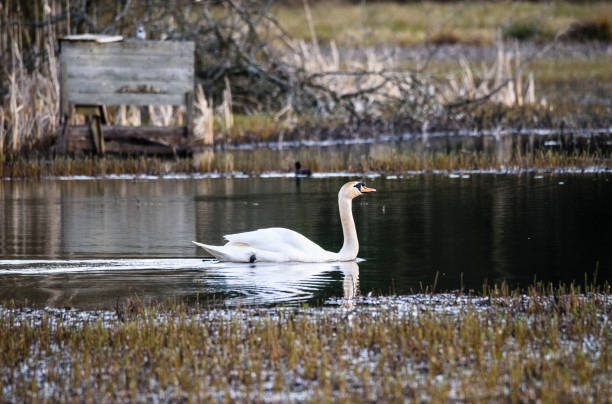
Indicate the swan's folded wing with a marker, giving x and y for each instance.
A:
(275, 239)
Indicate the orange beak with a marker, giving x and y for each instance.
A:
(366, 189)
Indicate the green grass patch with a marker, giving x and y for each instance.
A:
(413, 23)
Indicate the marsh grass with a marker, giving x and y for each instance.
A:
(413, 23)
(546, 343)
(379, 158)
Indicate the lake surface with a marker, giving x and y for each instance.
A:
(90, 243)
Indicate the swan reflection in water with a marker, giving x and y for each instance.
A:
(350, 283)
(89, 284)
(267, 283)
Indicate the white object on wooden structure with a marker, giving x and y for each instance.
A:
(93, 37)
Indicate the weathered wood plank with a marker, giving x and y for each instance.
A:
(130, 139)
(80, 145)
(126, 99)
(100, 38)
(130, 60)
(134, 73)
(102, 72)
(169, 48)
(188, 112)
(63, 90)
(122, 148)
(129, 86)
(171, 134)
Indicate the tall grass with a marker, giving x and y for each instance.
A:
(381, 158)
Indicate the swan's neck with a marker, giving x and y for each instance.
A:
(350, 248)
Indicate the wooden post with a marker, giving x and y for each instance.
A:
(61, 141)
(96, 133)
(95, 116)
(189, 113)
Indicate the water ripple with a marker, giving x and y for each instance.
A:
(100, 282)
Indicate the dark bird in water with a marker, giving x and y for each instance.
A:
(301, 172)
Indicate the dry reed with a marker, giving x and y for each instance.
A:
(380, 159)
(505, 74)
(203, 125)
(30, 110)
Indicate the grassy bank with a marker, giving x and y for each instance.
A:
(552, 344)
(378, 158)
(414, 23)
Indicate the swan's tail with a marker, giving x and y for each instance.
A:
(229, 252)
(215, 251)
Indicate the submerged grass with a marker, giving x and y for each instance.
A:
(378, 158)
(550, 344)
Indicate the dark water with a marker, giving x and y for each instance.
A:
(88, 243)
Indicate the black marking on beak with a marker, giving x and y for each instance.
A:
(252, 258)
(359, 185)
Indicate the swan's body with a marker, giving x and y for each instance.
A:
(282, 245)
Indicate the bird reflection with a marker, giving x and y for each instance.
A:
(100, 283)
(280, 282)
(350, 283)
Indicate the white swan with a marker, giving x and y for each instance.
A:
(281, 245)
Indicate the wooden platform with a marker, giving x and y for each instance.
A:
(127, 73)
(97, 70)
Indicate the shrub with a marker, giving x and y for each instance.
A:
(444, 38)
(521, 30)
(590, 30)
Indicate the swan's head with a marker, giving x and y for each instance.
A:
(353, 189)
